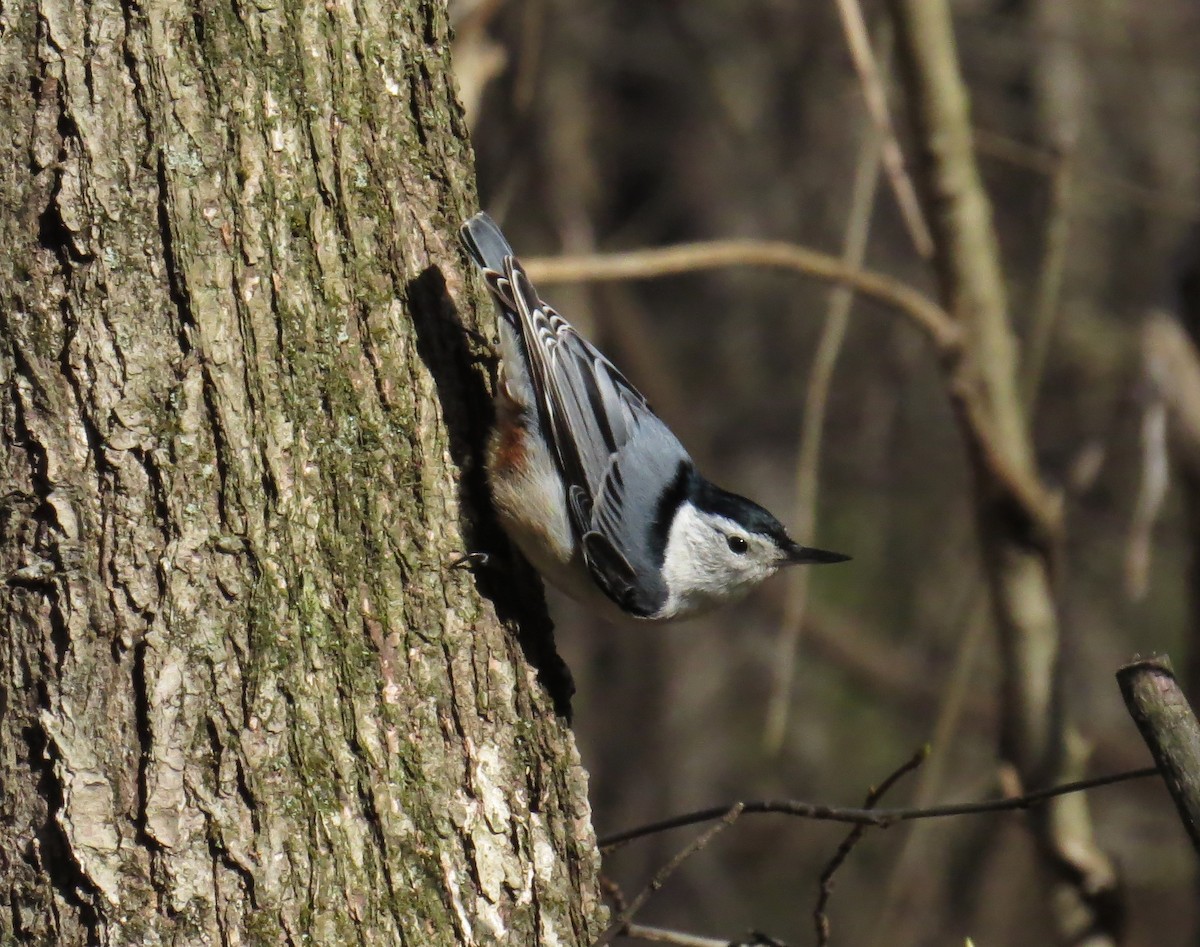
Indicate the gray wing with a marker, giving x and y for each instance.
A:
(614, 453)
(631, 513)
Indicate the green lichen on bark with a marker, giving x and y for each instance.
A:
(256, 703)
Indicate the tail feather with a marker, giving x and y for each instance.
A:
(485, 242)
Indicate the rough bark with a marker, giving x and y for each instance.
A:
(1019, 526)
(243, 699)
(1169, 727)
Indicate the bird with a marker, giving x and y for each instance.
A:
(592, 486)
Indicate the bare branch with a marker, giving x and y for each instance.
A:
(820, 919)
(688, 257)
(1172, 365)
(971, 626)
(875, 95)
(1019, 519)
(816, 396)
(660, 878)
(1114, 187)
(1170, 432)
(661, 935)
(1168, 725)
(1151, 494)
(880, 818)
(1050, 280)
(1039, 509)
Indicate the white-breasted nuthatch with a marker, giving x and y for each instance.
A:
(592, 486)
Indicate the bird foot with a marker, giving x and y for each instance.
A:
(470, 560)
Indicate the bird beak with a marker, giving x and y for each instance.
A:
(797, 554)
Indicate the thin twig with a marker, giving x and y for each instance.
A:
(1046, 161)
(875, 96)
(614, 892)
(728, 817)
(1011, 477)
(662, 935)
(882, 818)
(973, 622)
(816, 396)
(1047, 301)
(688, 257)
(820, 918)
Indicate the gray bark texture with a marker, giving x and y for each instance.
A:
(243, 697)
(1168, 725)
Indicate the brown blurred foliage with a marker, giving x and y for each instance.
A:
(610, 125)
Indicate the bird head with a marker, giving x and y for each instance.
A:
(721, 545)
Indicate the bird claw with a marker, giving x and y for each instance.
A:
(470, 560)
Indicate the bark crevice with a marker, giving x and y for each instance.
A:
(266, 699)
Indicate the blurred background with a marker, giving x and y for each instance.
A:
(609, 125)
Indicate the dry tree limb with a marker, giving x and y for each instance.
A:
(1045, 161)
(816, 396)
(820, 918)
(861, 819)
(662, 935)
(879, 818)
(1151, 494)
(1172, 365)
(1170, 433)
(871, 76)
(1169, 727)
(1048, 296)
(953, 707)
(613, 892)
(1011, 482)
(618, 926)
(689, 257)
(1019, 519)
(1059, 75)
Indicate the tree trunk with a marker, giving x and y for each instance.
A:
(243, 697)
(1018, 520)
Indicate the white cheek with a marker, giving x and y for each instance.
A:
(754, 572)
(700, 570)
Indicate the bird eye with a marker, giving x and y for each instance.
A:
(737, 544)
